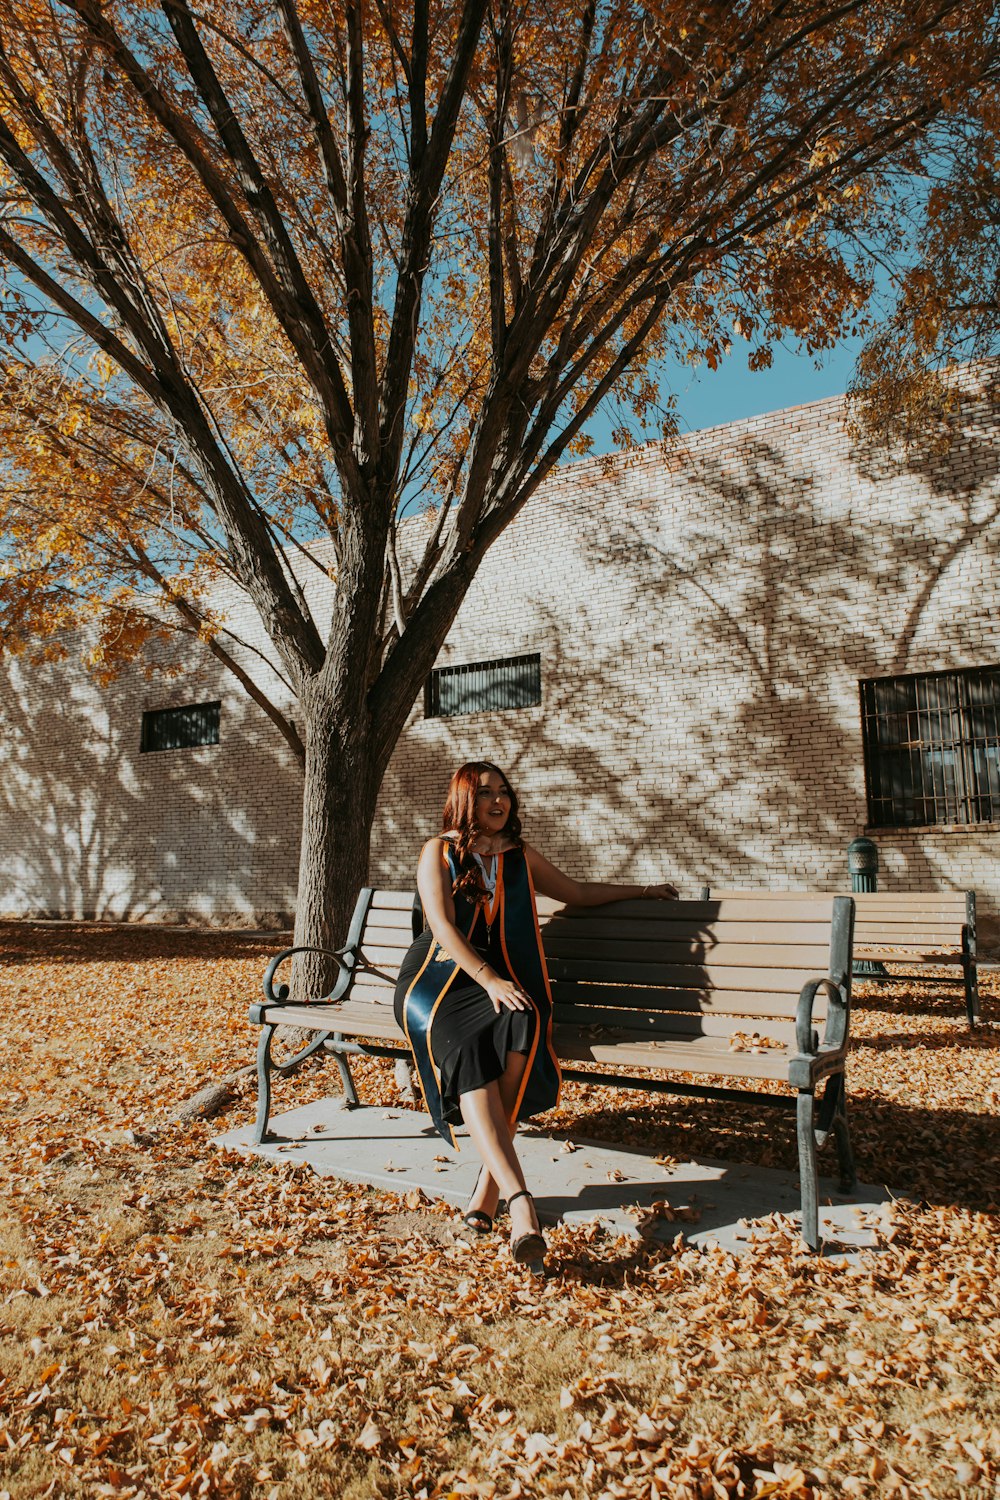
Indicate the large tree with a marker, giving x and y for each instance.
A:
(946, 308)
(276, 272)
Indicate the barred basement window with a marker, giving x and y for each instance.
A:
(932, 748)
(180, 728)
(508, 682)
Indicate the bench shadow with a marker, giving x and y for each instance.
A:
(946, 1004)
(945, 1157)
(929, 1041)
(700, 1206)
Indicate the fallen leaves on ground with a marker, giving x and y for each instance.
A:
(175, 1320)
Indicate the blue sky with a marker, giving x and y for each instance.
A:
(707, 398)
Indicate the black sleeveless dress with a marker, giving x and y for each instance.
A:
(459, 1042)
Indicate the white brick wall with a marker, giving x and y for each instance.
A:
(703, 618)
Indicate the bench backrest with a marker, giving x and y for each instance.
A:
(720, 958)
(382, 928)
(726, 957)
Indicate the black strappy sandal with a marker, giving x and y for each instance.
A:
(477, 1219)
(528, 1249)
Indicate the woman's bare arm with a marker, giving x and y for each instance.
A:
(552, 882)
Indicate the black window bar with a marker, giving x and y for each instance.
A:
(484, 686)
(932, 748)
(180, 728)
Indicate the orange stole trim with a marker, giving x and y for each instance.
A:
(455, 971)
(430, 1020)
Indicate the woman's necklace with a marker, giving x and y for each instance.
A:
(489, 871)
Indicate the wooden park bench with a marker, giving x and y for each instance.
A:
(922, 930)
(734, 989)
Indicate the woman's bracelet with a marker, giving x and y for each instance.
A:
(484, 965)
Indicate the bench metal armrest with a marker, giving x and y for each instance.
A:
(342, 957)
(835, 1037)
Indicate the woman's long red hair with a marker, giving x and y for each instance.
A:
(459, 816)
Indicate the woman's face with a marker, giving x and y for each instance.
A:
(492, 802)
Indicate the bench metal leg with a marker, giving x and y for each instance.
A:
(260, 1130)
(814, 1127)
(351, 1100)
(971, 976)
(807, 1170)
(833, 1116)
(266, 1065)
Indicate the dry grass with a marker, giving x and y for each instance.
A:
(176, 1321)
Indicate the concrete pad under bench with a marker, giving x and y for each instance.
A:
(398, 1150)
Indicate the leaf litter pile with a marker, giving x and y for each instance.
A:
(175, 1320)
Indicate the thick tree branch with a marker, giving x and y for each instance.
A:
(312, 345)
(426, 175)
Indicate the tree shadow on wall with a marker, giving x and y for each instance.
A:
(958, 474)
(92, 829)
(774, 641)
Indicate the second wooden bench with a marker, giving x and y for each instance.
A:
(915, 929)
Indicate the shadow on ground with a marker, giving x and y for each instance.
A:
(96, 942)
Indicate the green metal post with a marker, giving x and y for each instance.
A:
(862, 866)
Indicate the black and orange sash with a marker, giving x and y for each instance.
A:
(514, 929)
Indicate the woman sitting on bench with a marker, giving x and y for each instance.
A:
(473, 993)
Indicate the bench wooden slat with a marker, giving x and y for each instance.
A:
(748, 1003)
(952, 899)
(373, 991)
(393, 919)
(871, 907)
(392, 901)
(676, 1023)
(800, 908)
(387, 937)
(703, 1056)
(919, 930)
(384, 958)
(707, 976)
(942, 916)
(351, 1018)
(893, 953)
(742, 1004)
(583, 951)
(912, 939)
(801, 934)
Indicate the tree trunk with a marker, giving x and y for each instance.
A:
(338, 808)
